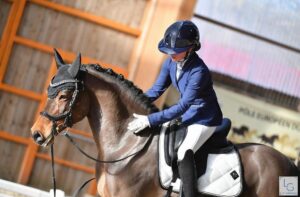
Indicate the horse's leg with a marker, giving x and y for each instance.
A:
(107, 186)
(262, 168)
(102, 187)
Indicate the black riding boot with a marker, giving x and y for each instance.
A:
(187, 173)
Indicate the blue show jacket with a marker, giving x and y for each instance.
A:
(198, 102)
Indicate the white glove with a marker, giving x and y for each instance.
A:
(139, 123)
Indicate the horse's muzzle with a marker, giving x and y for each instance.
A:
(38, 137)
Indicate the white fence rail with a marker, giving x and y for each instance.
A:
(10, 189)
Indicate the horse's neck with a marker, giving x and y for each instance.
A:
(106, 113)
(108, 117)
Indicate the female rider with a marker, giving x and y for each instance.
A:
(197, 107)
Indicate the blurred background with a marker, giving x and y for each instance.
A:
(252, 48)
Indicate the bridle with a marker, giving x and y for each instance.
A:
(67, 115)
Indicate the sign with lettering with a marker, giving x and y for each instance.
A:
(257, 121)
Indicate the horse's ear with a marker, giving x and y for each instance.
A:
(59, 61)
(73, 70)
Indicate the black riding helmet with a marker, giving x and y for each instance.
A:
(179, 37)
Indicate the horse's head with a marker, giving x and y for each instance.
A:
(67, 102)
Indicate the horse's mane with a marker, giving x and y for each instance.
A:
(124, 85)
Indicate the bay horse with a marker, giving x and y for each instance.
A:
(108, 100)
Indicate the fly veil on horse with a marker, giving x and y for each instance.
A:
(108, 101)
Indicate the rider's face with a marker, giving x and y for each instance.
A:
(179, 56)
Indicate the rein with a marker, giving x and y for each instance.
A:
(108, 161)
(67, 116)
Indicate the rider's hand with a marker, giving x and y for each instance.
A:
(139, 123)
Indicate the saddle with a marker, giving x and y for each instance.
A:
(219, 168)
(176, 133)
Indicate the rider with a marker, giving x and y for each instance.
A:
(197, 107)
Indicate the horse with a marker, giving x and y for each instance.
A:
(108, 100)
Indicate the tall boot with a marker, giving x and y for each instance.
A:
(187, 173)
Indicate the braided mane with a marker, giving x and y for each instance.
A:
(124, 85)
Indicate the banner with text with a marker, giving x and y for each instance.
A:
(261, 122)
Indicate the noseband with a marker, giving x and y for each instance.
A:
(67, 115)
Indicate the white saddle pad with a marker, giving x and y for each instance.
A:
(223, 175)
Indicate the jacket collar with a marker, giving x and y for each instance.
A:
(186, 66)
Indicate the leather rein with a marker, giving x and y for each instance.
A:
(67, 118)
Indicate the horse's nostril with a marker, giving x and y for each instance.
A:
(38, 138)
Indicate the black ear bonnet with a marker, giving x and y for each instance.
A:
(66, 77)
(61, 81)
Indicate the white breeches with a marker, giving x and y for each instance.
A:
(196, 136)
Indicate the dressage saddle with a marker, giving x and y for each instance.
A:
(217, 143)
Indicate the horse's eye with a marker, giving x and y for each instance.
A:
(63, 97)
